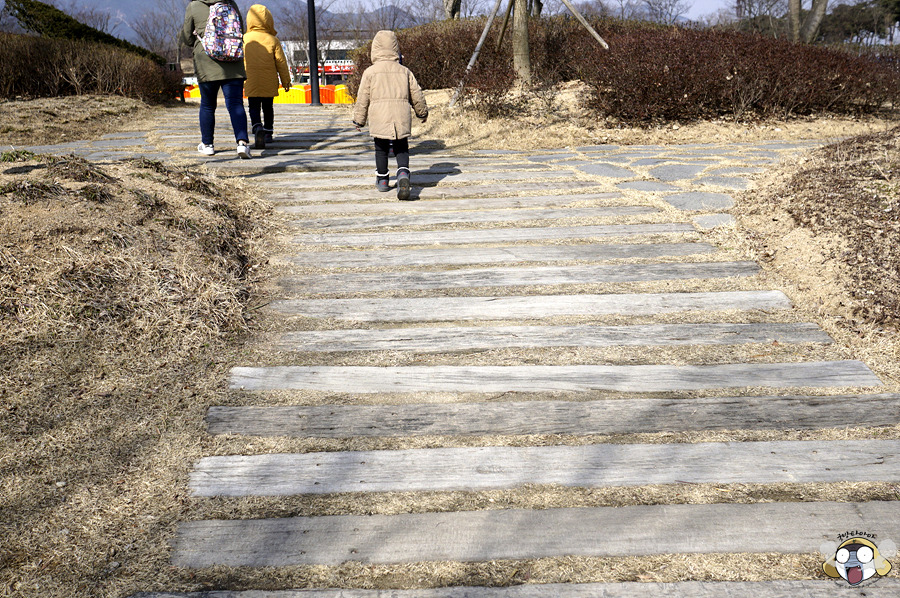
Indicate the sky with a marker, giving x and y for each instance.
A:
(133, 8)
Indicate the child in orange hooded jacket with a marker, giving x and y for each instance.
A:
(265, 64)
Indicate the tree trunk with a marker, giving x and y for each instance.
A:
(521, 57)
(452, 8)
(794, 19)
(811, 26)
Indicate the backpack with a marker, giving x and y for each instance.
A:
(223, 38)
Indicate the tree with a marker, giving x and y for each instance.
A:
(863, 23)
(805, 29)
(666, 12)
(521, 52)
(452, 8)
(157, 29)
(49, 21)
(91, 15)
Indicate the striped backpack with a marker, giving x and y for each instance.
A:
(223, 38)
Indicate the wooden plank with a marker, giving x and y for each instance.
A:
(437, 205)
(587, 466)
(494, 255)
(492, 235)
(620, 416)
(782, 528)
(360, 282)
(451, 309)
(498, 190)
(885, 587)
(440, 179)
(537, 378)
(462, 338)
(472, 217)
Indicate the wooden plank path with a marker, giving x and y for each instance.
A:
(510, 215)
(442, 205)
(360, 282)
(591, 466)
(462, 233)
(521, 254)
(885, 588)
(493, 235)
(400, 309)
(438, 340)
(622, 416)
(548, 378)
(526, 534)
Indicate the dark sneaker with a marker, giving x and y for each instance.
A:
(259, 137)
(268, 135)
(381, 183)
(403, 184)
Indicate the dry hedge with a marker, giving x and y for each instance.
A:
(40, 67)
(651, 72)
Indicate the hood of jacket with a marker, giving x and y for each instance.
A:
(260, 19)
(385, 47)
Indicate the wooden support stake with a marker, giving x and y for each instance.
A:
(509, 9)
(584, 22)
(472, 60)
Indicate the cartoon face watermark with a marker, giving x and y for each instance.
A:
(857, 559)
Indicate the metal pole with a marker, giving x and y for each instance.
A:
(313, 54)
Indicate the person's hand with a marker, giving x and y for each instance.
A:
(286, 88)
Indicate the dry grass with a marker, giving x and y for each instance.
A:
(126, 292)
(121, 287)
(49, 121)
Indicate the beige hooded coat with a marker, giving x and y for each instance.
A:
(386, 91)
(263, 57)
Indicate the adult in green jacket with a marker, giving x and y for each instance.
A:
(213, 75)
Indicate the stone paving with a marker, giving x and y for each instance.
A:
(439, 319)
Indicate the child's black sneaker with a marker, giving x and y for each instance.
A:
(269, 134)
(403, 184)
(381, 183)
(259, 136)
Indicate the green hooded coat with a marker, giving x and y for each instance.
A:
(206, 68)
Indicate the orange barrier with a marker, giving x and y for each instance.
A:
(299, 94)
(342, 95)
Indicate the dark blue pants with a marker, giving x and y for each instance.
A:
(233, 90)
(268, 112)
(383, 148)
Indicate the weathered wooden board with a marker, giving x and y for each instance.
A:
(538, 378)
(492, 235)
(497, 190)
(585, 466)
(439, 205)
(440, 179)
(472, 217)
(461, 338)
(451, 309)
(359, 282)
(886, 587)
(621, 416)
(782, 528)
(494, 255)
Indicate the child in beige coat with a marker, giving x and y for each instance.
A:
(386, 92)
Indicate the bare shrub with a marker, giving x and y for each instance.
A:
(653, 72)
(39, 67)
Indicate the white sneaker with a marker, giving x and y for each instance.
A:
(243, 150)
(206, 150)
